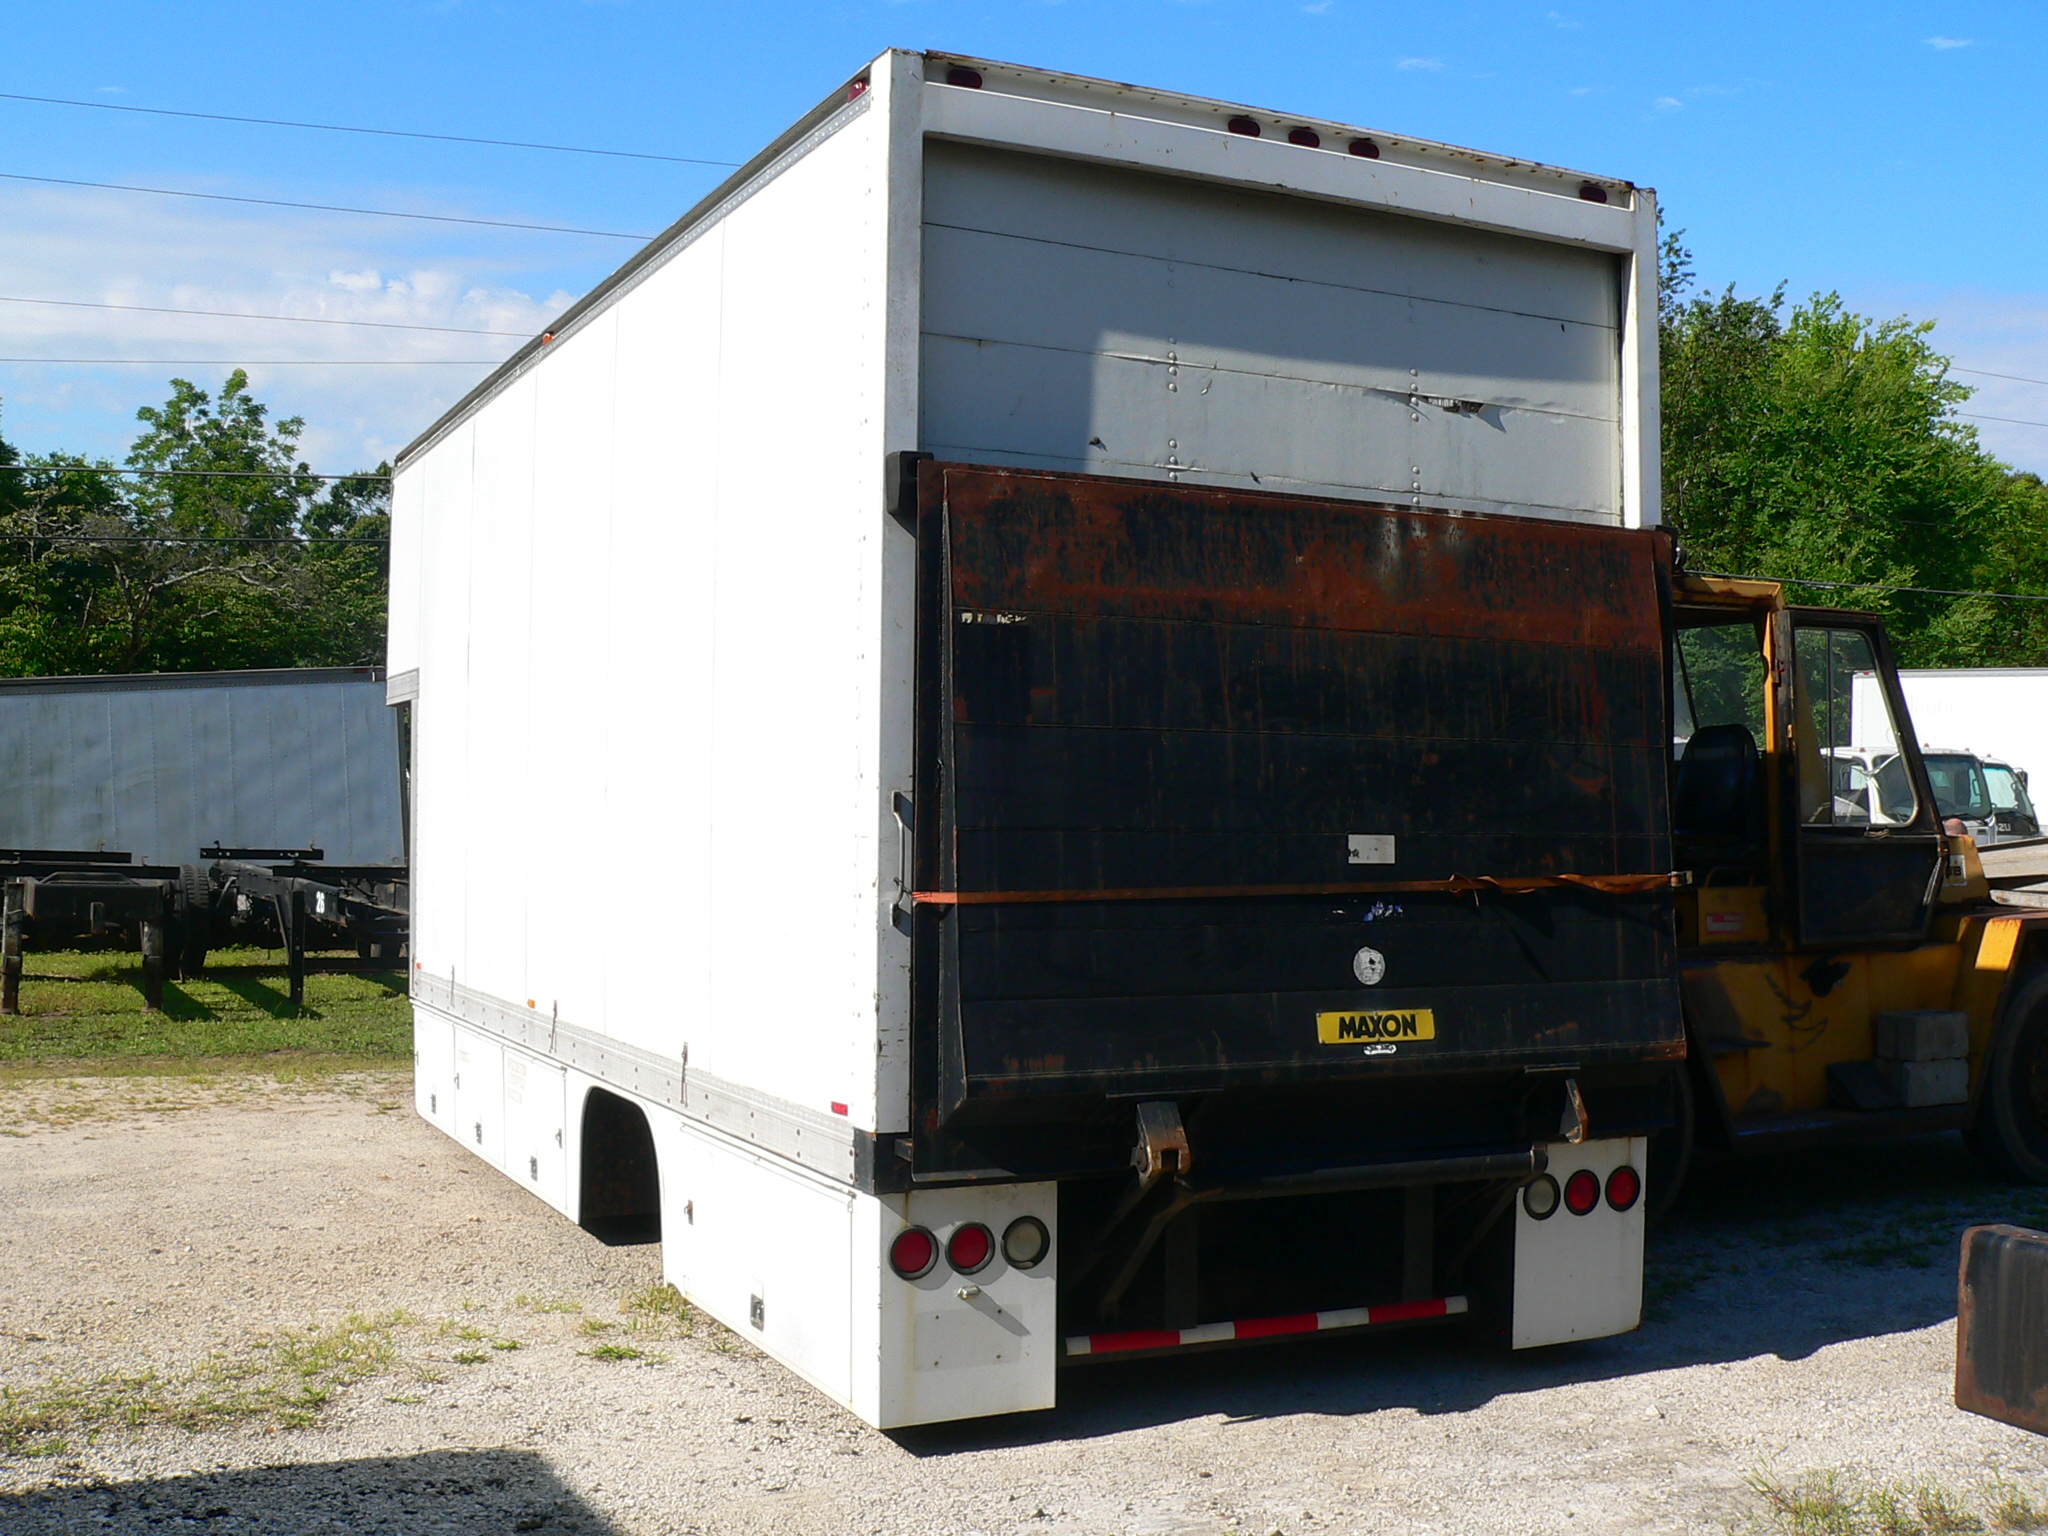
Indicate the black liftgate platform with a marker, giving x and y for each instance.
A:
(1351, 815)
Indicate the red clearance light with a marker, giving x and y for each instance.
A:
(1307, 138)
(1592, 193)
(1365, 149)
(1624, 1187)
(1581, 1192)
(913, 1253)
(971, 78)
(970, 1248)
(857, 89)
(1244, 126)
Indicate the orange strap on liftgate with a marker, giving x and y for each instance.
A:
(1508, 885)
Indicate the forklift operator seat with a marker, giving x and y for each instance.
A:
(1717, 800)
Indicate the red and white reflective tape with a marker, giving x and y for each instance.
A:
(1264, 1327)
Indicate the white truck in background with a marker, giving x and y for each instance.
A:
(1984, 731)
(833, 847)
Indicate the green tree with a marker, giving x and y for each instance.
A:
(225, 555)
(1821, 445)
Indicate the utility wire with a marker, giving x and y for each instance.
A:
(229, 314)
(2013, 420)
(146, 538)
(273, 202)
(2017, 378)
(205, 474)
(266, 362)
(1877, 586)
(389, 133)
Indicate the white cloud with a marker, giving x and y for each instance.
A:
(106, 248)
(1563, 23)
(1943, 44)
(1420, 64)
(1668, 104)
(1320, 7)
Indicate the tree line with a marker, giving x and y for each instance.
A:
(1803, 443)
(226, 551)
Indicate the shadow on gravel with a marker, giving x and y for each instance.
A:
(1768, 1256)
(444, 1491)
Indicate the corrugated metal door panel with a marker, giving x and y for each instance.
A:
(1077, 318)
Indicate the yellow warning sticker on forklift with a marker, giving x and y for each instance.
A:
(1365, 1027)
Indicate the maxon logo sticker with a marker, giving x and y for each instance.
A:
(1382, 1027)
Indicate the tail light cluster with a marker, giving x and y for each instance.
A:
(970, 1248)
(1580, 1193)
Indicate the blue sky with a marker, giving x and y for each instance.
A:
(1892, 152)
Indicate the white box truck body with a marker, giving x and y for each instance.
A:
(661, 639)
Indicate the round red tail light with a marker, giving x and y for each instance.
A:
(913, 1253)
(970, 1248)
(1582, 1192)
(1624, 1187)
(1539, 1198)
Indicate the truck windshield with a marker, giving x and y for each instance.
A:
(2007, 792)
(1959, 787)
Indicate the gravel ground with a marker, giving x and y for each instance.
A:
(1801, 1317)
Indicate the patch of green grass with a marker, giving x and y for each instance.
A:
(658, 1312)
(616, 1352)
(282, 1380)
(471, 1357)
(546, 1303)
(86, 1006)
(1831, 1503)
(594, 1326)
(506, 1344)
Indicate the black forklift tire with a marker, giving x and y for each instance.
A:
(1671, 1150)
(2010, 1135)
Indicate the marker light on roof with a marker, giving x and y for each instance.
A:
(1244, 126)
(971, 78)
(1307, 138)
(1365, 149)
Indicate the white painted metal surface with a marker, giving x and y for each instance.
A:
(1995, 712)
(160, 765)
(650, 615)
(1580, 1277)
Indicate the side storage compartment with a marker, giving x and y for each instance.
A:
(480, 1095)
(536, 1138)
(433, 1073)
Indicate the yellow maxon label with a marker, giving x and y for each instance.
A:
(1365, 1028)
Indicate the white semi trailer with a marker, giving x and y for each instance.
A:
(993, 918)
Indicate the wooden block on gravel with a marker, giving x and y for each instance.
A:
(1923, 1034)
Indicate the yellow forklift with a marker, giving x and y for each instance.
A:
(1845, 969)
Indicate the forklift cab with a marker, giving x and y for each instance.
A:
(1799, 803)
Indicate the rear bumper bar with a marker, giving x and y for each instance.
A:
(1251, 1330)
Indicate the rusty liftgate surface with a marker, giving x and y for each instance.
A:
(1238, 793)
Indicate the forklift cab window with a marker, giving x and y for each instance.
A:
(1851, 772)
(1718, 679)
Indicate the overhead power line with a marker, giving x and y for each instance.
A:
(2012, 420)
(387, 133)
(204, 474)
(1879, 586)
(2017, 378)
(274, 202)
(263, 362)
(231, 314)
(148, 538)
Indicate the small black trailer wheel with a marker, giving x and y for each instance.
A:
(2010, 1135)
(195, 919)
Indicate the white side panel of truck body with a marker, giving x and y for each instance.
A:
(1095, 320)
(662, 630)
(1999, 712)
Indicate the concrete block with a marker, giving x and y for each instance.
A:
(1921, 1083)
(1923, 1034)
